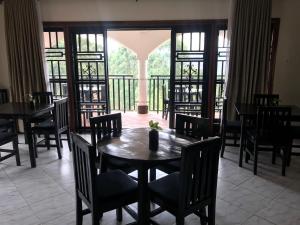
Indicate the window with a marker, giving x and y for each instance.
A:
(222, 56)
(55, 54)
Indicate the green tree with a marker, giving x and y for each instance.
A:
(159, 60)
(122, 61)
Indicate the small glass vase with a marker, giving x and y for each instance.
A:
(153, 140)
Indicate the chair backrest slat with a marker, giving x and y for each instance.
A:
(61, 114)
(266, 99)
(3, 96)
(272, 119)
(42, 97)
(192, 126)
(199, 172)
(105, 126)
(84, 162)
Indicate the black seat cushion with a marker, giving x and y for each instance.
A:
(170, 167)
(4, 125)
(295, 131)
(267, 137)
(42, 118)
(233, 124)
(47, 124)
(4, 122)
(166, 188)
(114, 184)
(6, 137)
(116, 163)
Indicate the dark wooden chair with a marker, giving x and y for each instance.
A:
(56, 126)
(230, 129)
(271, 133)
(7, 136)
(43, 98)
(100, 193)
(193, 188)
(4, 123)
(103, 127)
(266, 99)
(190, 126)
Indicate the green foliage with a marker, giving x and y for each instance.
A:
(154, 125)
(159, 60)
(122, 61)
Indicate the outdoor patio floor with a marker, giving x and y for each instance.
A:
(135, 120)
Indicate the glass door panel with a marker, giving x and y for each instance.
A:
(90, 75)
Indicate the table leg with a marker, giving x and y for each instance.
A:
(143, 201)
(28, 134)
(242, 140)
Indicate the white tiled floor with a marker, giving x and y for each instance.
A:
(45, 195)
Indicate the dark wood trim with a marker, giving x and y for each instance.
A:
(162, 24)
(172, 80)
(275, 33)
(213, 25)
(69, 63)
(107, 110)
(213, 50)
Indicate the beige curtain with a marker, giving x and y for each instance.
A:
(24, 48)
(249, 51)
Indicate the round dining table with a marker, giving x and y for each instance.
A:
(132, 145)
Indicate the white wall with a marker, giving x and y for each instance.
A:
(287, 70)
(287, 76)
(116, 10)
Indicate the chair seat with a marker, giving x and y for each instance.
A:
(267, 138)
(48, 124)
(295, 131)
(4, 122)
(4, 125)
(233, 124)
(42, 118)
(117, 164)
(6, 137)
(170, 167)
(166, 188)
(115, 187)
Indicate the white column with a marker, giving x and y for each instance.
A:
(142, 82)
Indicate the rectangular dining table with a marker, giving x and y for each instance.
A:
(132, 146)
(26, 112)
(249, 111)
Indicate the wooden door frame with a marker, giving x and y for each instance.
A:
(157, 25)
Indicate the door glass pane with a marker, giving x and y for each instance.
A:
(56, 62)
(189, 73)
(222, 54)
(90, 76)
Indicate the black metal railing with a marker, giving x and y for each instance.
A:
(58, 87)
(158, 91)
(219, 98)
(123, 92)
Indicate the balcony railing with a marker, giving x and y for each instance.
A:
(158, 86)
(58, 86)
(123, 92)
